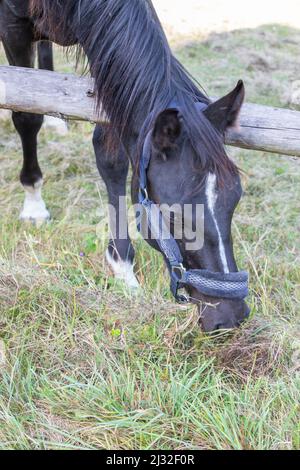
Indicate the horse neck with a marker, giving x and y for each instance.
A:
(130, 60)
(135, 73)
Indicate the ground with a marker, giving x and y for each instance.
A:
(83, 363)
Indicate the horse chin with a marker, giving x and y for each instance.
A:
(217, 315)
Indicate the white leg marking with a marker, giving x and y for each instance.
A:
(212, 196)
(34, 208)
(56, 124)
(123, 270)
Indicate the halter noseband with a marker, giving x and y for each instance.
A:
(232, 286)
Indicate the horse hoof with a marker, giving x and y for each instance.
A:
(34, 208)
(123, 270)
(37, 219)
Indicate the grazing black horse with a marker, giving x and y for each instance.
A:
(147, 95)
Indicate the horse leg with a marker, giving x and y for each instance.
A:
(45, 62)
(45, 55)
(19, 50)
(114, 171)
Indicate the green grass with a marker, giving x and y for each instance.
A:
(86, 365)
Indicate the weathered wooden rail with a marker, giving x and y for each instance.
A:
(70, 97)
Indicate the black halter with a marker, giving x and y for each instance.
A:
(220, 285)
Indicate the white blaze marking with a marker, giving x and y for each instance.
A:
(34, 207)
(123, 270)
(212, 196)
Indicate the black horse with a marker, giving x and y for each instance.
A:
(145, 92)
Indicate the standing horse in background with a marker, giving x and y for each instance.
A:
(159, 121)
(16, 33)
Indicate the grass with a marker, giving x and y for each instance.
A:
(85, 365)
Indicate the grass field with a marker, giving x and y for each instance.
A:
(85, 365)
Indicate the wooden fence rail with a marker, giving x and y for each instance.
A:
(70, 97)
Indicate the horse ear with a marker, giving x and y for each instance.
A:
(167, 130)
(224, 113)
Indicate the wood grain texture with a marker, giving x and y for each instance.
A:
(71, 97)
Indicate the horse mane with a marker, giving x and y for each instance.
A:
(136, 75)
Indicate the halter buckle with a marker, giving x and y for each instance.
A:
(178, 272)
(182, 298)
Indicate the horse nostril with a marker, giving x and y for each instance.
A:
(219, 326)
(225, 327)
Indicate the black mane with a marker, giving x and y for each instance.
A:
(136, 75)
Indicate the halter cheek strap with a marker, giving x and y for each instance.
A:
(232, 286)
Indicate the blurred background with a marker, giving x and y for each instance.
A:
(201, 17)
(258, 41)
